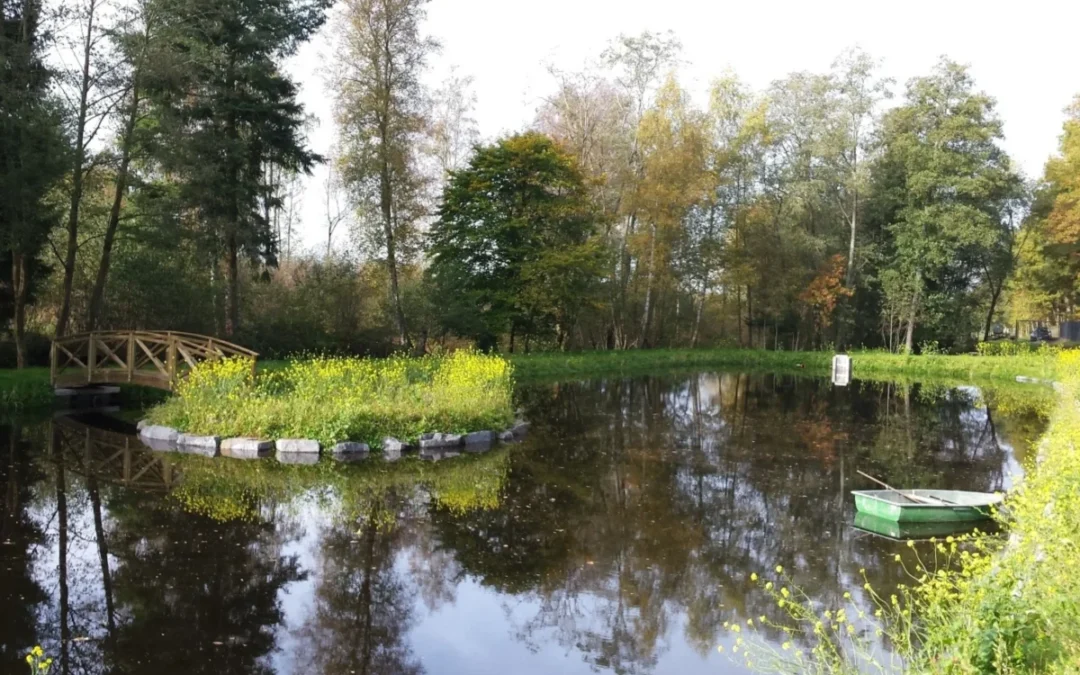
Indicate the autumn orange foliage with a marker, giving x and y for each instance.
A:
(824, 292)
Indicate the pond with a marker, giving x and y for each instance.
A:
(619, 537)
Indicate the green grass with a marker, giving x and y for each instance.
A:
(25, 389)
(340, 399)
(865, 365)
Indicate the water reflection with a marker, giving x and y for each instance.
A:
(618, 538)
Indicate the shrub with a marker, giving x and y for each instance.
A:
(338, 399)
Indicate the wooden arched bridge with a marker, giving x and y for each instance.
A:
(148, 358)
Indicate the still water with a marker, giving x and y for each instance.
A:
(619, 537)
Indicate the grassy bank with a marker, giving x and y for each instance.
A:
(977, 605)
(25, 389)
(867, 365)
(1019, 611)
(332, 400)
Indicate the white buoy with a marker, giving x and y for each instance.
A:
(841, 370)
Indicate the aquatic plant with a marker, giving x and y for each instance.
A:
(339, 399)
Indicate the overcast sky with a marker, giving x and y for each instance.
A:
(1024, 54)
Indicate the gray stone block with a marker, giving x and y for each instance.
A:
(520, 429)
(394, 445)
(199, 445)
(506, 436)
(441, 441)
(306, 458)
(159, 433)
(298, 445)
(142, 424)
(480, 438)
(246, 448)
(350, 452)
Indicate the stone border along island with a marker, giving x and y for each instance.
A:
(431, 446)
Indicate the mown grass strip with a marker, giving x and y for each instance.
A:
(30, 388)
(865, 365)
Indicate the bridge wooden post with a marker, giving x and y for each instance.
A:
(91, 361)
(54, 365)
(170, 360)
(131, 356)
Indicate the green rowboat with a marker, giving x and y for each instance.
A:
(891, 529)
(955, 505)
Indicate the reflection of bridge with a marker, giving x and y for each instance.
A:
(110, 456)
(148, 358)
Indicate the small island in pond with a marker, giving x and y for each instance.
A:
(332, 400)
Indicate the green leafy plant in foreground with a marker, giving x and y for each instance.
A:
(977, 605)
(338, 399)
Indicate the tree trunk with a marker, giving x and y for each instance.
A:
(98, 295)
(749, 317)
(232, 286)
(19, 285)
(700, 311)
(738, 314)
(995, 293)
(909, 340)
(646, 314)
(850, 280)
(385, 203)
(625, 259)
(79, 160)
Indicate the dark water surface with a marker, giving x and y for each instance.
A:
(618, 538)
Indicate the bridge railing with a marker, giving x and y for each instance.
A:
(148, 358)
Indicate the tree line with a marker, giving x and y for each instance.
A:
(153, 153)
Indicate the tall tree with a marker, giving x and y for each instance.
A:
(133, 36)
(380, 56)
(859, 92)
(512, 249)
(224, 110)
(452, 132)
(946, 188)
(32, 153)
(640, 64)
(673, 143)
(91, 90)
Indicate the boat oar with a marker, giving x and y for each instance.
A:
(918, 499)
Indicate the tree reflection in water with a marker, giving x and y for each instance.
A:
(622, 533)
